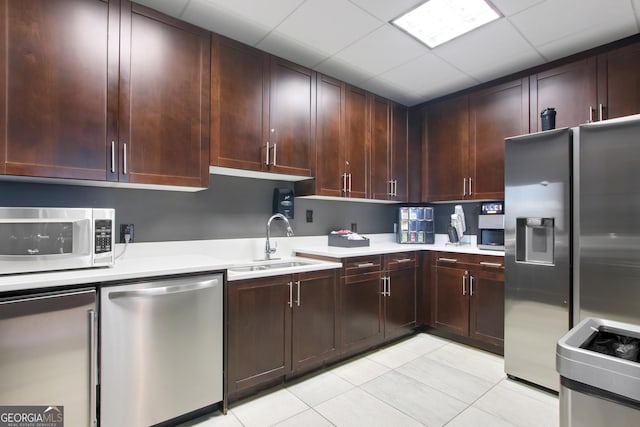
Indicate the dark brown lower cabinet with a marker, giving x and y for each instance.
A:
(278, 325)
(467, 297)
(378, 299)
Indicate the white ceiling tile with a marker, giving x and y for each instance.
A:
(387, 10)
(428, 75)
(511, 7)
(492, 50)
(169, 7)
(285, 47)
(552, 20)
(385, 48)
(328, 25)
(269, 13)
(593, 36)
(384, 88)
(341, 70)
(206, 15)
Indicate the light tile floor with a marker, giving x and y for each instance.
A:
(421, 381)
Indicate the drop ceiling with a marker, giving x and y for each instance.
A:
(353, 40)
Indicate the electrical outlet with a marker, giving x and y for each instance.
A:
(126, 230)
(309, 215)
(354, 227)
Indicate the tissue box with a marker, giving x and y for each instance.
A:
(343, 242)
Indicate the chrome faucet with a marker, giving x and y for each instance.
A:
(268, 250)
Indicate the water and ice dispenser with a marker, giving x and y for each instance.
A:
(535, 240)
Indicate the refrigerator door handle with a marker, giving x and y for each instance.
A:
(93, 368)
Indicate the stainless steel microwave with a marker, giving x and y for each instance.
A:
(47, 239)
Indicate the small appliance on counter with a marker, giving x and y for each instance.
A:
(457, 227)
(491, 226)
(48, 239)
(347, 239)
(416, 225)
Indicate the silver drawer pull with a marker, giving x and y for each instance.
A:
(404, 260)
(365, 264)
(491, 264)
(448, 259)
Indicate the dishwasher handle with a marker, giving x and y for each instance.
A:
(165, 290)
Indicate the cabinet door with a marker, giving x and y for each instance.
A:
(447, 135)
(330, 157)
(361, 311)
(54, 73)
(486, 312)
(258, 331)
(570, 89)
(495, 113)
(619, 82)
(291, 118)
(357, 142)
(399, 152)
(400, 302)
(315, 331)
(380, 141)
(164, 99)
(240, 92)
(450, 300)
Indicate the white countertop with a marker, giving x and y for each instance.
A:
(382, 244)
(142, 260)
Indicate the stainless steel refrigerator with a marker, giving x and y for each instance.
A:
(537, 253)
(572, 238)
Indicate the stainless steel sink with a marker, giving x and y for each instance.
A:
(268, 266)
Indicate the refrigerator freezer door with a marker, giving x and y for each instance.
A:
(537, 253)
(607, 249)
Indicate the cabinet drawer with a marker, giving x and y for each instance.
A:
(400, 261)
(360, 265)
(470, 261)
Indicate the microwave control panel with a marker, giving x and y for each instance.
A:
(103, 235)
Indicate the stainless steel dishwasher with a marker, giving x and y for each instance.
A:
(160, 349)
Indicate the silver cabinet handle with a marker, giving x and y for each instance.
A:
(470, 186)
(298, 286)
(113, 156)
(491, 264)
(470, 285)
(384, 286)
(344, 182)
(275, 153)
(388, 286)
(266, 162)
(164, 290)
(600, 112)
(448, 259)
(93, 367)
(365, 264)
(591, 118)
(464, 186)
(403, 260)
(464, 283)
(350, 183)
(124, 171)
(290, 294)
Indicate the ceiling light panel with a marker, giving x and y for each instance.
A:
(438, 21)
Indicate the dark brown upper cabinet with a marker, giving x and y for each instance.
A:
(103, 91)
(263, 111)
(619, 82)
(570, 89)
(388, 150)
(53, 88)
(494, 114)
(164, 88)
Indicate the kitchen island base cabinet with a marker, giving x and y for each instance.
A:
(467, 299)
(278, 326)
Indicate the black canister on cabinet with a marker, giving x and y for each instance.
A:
(548, 118)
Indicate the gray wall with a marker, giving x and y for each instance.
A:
(231, 208)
